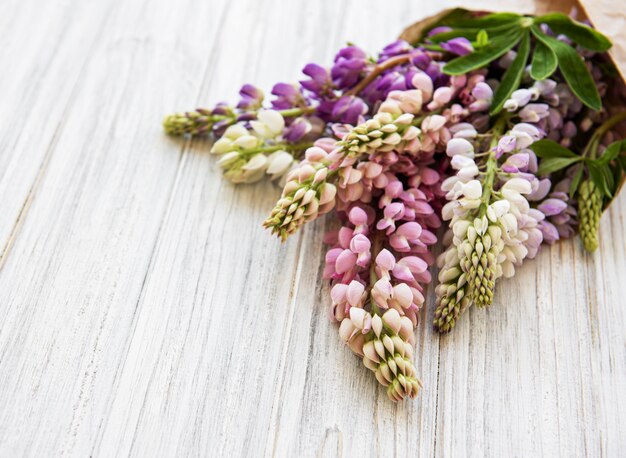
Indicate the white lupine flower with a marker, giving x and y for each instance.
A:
(525, 134)
(246, 142)
(509, 222)
(459, 228)
(279, 163)
(519, 98)
(269, 124)
(460, 146)
(221, 146)
(463, 130)
(481, 225)
(234, 132)
(498, 209)
(543, 87)
(448, 183)
(228, 159)
(467, 168)
(447, 212)
(472, 189)
(459, 162)
(235, 137)
(255, 168)
(518, 184)
(433, 123)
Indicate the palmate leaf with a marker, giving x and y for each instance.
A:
(513, 75)
(585, 36)
(544, 62)
(574, 70)
(496, 48)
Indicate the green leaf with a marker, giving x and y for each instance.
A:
(482, 39)
(609, 179)
(618, 176)
(612, 151)
(513, 75)
(553, 164)
(470, 34)
(481, 57)
(573, 187)
(622, 162)
(597, 177)
(432, 47)
(574, 70)
(551, 149)
(562, 24)
(484, 22)
(544, 62)
(602, 177)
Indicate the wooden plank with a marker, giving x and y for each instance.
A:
(39, 43)
(70, 288)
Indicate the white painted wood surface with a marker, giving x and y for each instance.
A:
(145, 311)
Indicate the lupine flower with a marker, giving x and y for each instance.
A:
(287, 96)
(459, 46)
(251, 97)
(349, 63)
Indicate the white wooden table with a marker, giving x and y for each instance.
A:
(145, 311)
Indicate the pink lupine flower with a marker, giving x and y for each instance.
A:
(483, 94)
(393, 212)
(404, 235)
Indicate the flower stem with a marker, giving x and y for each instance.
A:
(491, 164)
(289, 147)
(377, 246)
(380, 68)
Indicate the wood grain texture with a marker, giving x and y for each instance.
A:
(145, 312)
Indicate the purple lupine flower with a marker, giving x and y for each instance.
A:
(438, 30)
(506, 144)
(380, 88)
(396, 48)
(297, 130)
(222, 109)
(560, 212)
(251, 97)
(420, 59)
(319, 84)
(348, 109)
(516, 162)
(287, 96)
(483, 94)
(459, 46)
(348, 67)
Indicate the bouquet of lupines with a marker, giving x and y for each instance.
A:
(492, 126)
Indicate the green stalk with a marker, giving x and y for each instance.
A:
(492, 164)
(289, 147)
